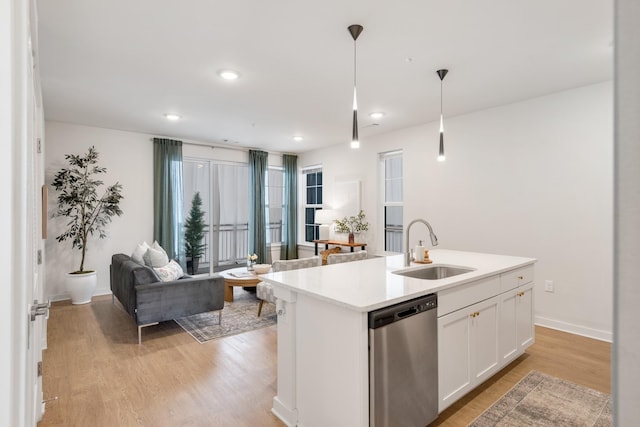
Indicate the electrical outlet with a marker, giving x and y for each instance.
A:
(548, 285)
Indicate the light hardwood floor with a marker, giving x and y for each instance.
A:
(101, 377)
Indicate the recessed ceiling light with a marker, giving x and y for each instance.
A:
(377, 115)
(228, 74)
(297, 138)
(172, 116)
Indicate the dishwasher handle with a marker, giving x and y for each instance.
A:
(406, 313)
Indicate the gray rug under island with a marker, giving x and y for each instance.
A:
(542, 400)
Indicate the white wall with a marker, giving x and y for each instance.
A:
(626, 350)
(530, 179)
(10, 397)
(128, 157)
(12, 316)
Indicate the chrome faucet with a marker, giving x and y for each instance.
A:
(434, 239)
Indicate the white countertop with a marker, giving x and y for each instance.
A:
(370, 284)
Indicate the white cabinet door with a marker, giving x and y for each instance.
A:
(516, 324)
(508, 342)
(467, 349)
(484, 339)
(525, 317)
(454, 365)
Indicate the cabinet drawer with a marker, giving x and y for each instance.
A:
(514, 278)
(461, 296)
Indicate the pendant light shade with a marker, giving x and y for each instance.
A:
(441, 73)
(355, 31)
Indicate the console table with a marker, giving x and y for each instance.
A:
(337, 243)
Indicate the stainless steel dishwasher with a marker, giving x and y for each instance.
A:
(403, 364)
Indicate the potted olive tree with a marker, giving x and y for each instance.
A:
(194, 230)
(87, 212)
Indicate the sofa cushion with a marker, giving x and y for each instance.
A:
(169, 272)
(139, 251)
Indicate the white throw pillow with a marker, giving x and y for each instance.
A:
(139, 251)
(170, 272)
(155, 257)
(155, 245)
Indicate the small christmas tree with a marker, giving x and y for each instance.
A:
(194, 230)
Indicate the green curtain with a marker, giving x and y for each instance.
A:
(257, 214)
(289, 246)
(168, 197)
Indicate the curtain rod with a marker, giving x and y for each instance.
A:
(226, 147)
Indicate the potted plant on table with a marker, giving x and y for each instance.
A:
(88, 213)
(194, 231)
(351, 225)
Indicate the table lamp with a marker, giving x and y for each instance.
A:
(325, 217)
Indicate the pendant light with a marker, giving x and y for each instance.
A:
(441, 73)
(355, 31)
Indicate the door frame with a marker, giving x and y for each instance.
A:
(20, 176)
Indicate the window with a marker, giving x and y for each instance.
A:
(230, 220)
(313, 201)
(274, 199)
(392, 201)
(222, 187)
(196, 178)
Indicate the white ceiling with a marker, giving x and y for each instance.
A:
(122, 64)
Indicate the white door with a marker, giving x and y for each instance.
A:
(33, 153)
(22, 170)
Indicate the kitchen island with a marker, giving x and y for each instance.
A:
(485, 320)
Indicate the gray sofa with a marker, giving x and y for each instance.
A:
(149, 300)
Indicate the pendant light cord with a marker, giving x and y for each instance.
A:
(440, 97)
(355, 63)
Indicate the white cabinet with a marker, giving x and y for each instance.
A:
(517, 277)
(525, 317)
(508, 325)
(454, 357)
(467, 349)
(516, 326)
(482, 326)
(484, 339)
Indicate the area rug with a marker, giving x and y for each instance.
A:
(542, 400)
(238, 316)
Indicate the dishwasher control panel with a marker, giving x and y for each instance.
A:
(387, 315)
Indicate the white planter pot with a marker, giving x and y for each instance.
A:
(81, 286)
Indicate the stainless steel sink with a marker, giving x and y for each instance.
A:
(434, 272)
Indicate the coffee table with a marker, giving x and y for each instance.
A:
(238, 277)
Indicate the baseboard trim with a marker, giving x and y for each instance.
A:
(65, 296)
(286, 415)
(575, 329)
